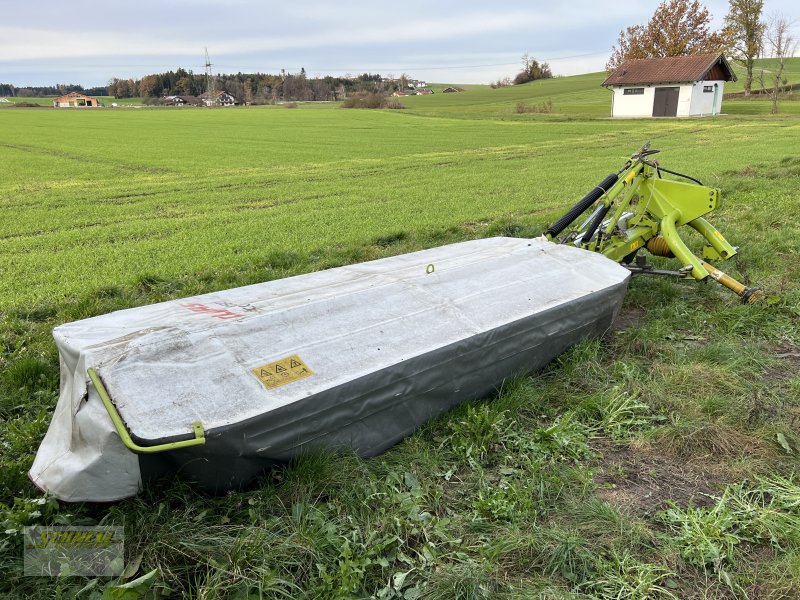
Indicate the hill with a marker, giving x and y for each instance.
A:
(575, 96)
(791, 73)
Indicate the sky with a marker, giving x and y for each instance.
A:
(466, 41)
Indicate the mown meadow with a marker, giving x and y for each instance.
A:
(658, 462)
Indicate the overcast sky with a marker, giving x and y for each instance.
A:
(463, 41)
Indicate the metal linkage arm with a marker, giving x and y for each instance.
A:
(197, 427)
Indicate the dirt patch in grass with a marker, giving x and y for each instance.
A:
(644, 481)
(627, 318)
(791, 355)
(747, 172)
(783, 375)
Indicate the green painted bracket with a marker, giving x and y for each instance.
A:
(679, 249)
(719, 248)
(197, 427)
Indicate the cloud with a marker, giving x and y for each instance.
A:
(36, 44)
(132, 39)
(27, 44)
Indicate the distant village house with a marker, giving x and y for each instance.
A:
(680, 86)
(182, 101)
(219, 98)
(74, 99)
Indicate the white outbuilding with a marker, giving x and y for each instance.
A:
(678, 86)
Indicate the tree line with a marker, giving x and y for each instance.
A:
(11, 91)
(250, 88)
(255, 88)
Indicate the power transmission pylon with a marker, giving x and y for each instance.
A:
(210, 87)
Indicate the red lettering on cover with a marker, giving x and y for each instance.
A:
(217, 313)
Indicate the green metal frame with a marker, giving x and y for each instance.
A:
(197, 427)
(659, 207)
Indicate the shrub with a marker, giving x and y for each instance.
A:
(544, 107)
(291, 105)
(371, 100)
(392, 103)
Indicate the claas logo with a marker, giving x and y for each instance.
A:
(84, 539)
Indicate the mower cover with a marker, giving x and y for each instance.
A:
(216, 387)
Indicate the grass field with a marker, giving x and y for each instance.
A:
(659, 462)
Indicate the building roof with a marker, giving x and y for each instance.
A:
(674, 69)
(217, 94)
(74, 95)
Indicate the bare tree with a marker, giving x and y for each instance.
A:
(780, 44)
(745, 32)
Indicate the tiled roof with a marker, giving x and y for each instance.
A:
(670, 70)
(72, 96)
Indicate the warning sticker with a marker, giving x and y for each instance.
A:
(283, 371)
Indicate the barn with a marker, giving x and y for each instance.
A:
(678, 86)
(74, 99)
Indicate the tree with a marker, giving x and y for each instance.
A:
(677, 28)
(183, 86)
(112, 87)
(780, 44)
(248, 90)
(532, 70)
(121, 88)
(148, 86)
(745, 32)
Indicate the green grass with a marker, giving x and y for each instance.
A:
(655, 463)
(571, 96)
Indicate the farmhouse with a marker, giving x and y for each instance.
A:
(74, 99)
(219, 98)
(680, 86)
(182, 101)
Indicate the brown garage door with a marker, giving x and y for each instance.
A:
(665, 103)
